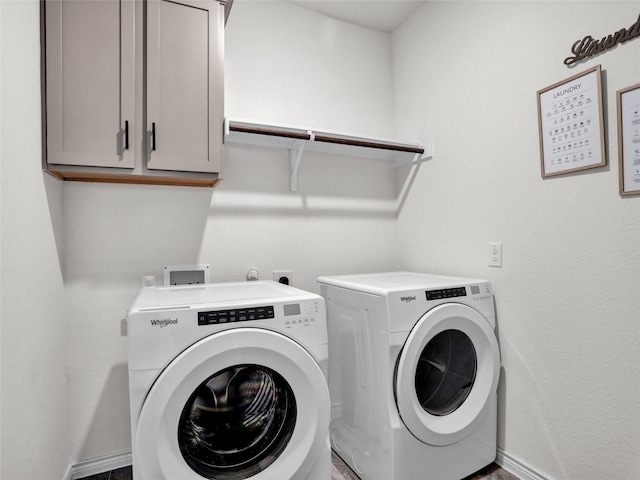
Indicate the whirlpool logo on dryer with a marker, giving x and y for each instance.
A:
(163, 322)
(408, 299)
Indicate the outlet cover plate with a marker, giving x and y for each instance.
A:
(495, 254)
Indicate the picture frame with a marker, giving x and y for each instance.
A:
(571, 124)
(628, 104)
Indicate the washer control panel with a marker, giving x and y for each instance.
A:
(301, 314)
(446, 293)
(481, 292)
(289, 314)
(215, 317)
(476, 292)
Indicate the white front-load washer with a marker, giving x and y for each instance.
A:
(228, 381)
(414, 365)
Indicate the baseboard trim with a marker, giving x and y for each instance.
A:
(96, 465)
(114, 461)
(517, 467)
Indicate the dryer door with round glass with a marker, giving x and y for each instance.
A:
(240, 403)
(447, 371)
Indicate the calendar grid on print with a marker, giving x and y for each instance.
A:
(570, 125)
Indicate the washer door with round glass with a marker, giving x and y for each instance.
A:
(243, 403)
(447, 371)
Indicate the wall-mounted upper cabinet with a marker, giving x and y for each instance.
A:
(90, 83)
(184, 81)
(107, 119)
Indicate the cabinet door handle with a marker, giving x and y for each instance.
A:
(153, 136)
(126, 134)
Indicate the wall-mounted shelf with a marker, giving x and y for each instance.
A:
(297, 140)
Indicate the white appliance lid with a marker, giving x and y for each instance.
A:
(209, 293)
(382, 283)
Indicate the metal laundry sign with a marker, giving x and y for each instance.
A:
(589, 46)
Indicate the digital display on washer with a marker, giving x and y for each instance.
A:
(292, 309)
(215, 317)
(446, 293)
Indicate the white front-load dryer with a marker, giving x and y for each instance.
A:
(414, 365)
(228, 381)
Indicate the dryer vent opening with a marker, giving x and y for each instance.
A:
(237, 422)
(446, 372)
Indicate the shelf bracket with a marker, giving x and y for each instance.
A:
(296, 155)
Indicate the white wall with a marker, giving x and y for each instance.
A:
(284, 65)
(290, 65)
(567, 295)
(64, 374)
(33, 342)
(567, 313)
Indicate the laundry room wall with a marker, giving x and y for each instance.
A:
(466, 74)
(284, 65)
(567, 294)
(32, 299)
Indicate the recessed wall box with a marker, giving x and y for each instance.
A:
(186, 274)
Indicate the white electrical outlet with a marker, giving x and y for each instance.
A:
(495, 254)
(283, 276)
(147, 280)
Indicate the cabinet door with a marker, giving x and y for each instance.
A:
(184, 85)
(90, 82)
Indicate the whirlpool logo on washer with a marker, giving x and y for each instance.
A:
(408, 299)
(163, 322)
